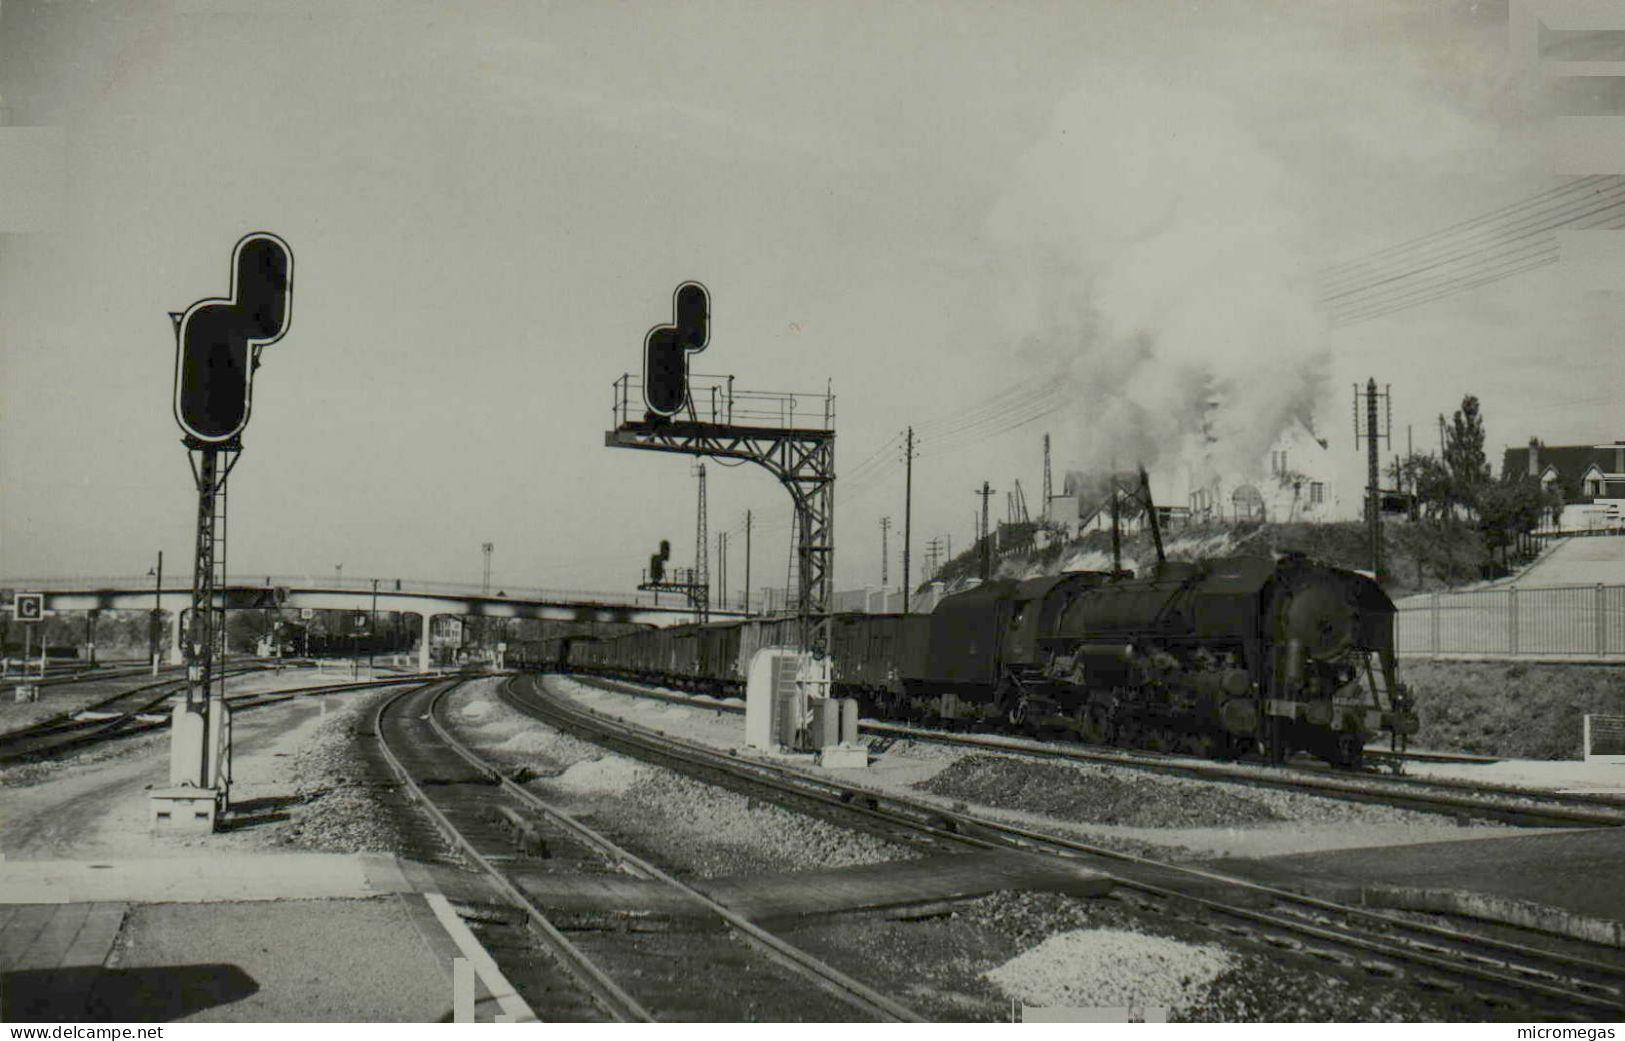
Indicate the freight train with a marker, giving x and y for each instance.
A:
(1224, 658)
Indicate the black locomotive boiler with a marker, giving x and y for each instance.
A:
(1217, 658)
(1221, 658)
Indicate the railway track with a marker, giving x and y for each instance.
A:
(138, 711)
(1519, 806)
(628, 975)
(1482, 970)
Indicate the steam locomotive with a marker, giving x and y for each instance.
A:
(1222, 658)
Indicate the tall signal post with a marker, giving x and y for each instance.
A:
(671, 410)
(702, 561)
(485, 580)
(908, 511)
(1367, 407)
(218, 341)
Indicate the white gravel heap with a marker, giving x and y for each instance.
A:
(1110, 968)
(611, 775)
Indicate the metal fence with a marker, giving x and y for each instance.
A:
(1580, 622)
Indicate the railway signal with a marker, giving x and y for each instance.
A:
(217, 348)
(666, 349)
(218, 341)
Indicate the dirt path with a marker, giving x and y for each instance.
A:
(100, 808)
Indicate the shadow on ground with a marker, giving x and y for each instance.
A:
(98, 995)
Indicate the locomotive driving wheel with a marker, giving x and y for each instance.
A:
(1350, 750)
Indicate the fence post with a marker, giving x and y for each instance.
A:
(1602, 619)
(1512, 620)
(1435, 624)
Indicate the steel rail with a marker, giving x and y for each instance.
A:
(1522, 806)
(831, 979)
(36, 743)
(604, 990)
(1419, 950)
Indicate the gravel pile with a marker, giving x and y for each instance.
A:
(339, 808)
(1095, 796)
(1090, 793)
(611, 775)
(712, 832)
(513, 738)
(1254, 987)
(1116, 968)
(684, 824)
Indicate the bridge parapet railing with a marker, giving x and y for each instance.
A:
(140, 583)
(1570, 621)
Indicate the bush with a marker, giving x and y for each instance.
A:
(1520, 711)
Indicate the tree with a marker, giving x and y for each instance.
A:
(1464, 454)
(1429, 482)
(1509, 509)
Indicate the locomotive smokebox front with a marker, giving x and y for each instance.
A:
(1320, 617)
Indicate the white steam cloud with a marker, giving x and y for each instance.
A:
(1154, 263)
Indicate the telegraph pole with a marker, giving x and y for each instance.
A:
(1373, 434)
(747, 563)
(372, 629)
(157, 612)
(719, 601)
(1049, 489)
(987, 547)
(702, 565)
(908, 512)
(885, 526)
(485, 584)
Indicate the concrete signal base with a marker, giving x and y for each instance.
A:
(844, 756)
(184, 811)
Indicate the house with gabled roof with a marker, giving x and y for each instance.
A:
(1583, 473)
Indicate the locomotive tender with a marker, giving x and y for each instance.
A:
(1220, 658)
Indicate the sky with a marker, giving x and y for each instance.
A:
(917, 205)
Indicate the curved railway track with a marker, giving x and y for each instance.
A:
(138, 711)
(1520, 806)
(630, 976)
(1486, 971)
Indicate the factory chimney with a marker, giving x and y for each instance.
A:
(1534, 457)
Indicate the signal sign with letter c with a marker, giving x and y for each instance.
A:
(29, 607)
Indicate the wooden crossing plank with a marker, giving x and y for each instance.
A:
(21, 932)
(53, 941)
(927, 880)
(53, 978)
(605, 893)
(96, 936)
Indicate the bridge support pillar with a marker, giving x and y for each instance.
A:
(176, 644)
(423, 642)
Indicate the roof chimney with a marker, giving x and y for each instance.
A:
(1534, 457)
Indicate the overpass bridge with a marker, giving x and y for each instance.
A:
(427, 600)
